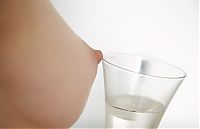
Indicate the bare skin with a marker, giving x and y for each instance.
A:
(46, 70)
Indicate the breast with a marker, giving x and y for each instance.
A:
(47, 80)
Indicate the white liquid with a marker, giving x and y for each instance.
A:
(133, 112)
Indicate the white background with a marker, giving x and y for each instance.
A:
(162, 29)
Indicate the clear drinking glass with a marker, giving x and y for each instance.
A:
(138, 90)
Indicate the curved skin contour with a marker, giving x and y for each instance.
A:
(46, 70)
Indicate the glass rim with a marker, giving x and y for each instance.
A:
(147, 58)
